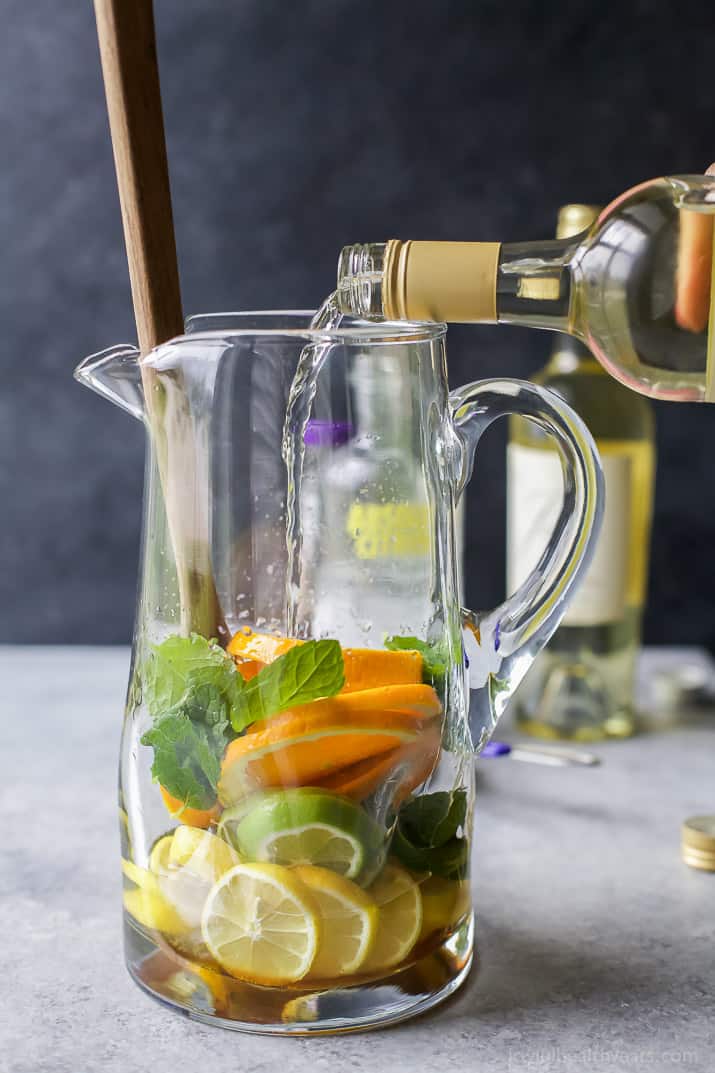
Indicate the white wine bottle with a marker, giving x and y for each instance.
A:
(635, 287)
(581, 685)
(375, 563)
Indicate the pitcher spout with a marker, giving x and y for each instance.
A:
(115, 374)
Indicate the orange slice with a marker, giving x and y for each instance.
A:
(368, 668)
(365, 668)
(418, 702)
(193, 817)
(248, 668)
(359, 780)
(264, 647)
(413, 762)
(311, 742)
(252, 650)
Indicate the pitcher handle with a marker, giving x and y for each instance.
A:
(501, 644)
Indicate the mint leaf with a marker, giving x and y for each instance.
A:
(198, 701)
(305, 673)
(433, 819)
(190, 687)
(435, 657)
(449, 860)
(187, 758)
(425, 838)
(191, 672)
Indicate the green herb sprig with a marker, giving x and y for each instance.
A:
(435, 657)
(199, 702)
(426, 838)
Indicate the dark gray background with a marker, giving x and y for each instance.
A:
(292, 129)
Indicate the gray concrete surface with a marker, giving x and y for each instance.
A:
(595, 941)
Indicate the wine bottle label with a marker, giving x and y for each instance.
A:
(534, 497)
(389, 530)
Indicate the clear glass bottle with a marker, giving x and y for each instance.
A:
(581, 685)
(375, 541)
(635, 287)
(322, 438)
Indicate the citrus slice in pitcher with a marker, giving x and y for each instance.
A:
(406, 767)
(411, 698)
(348, 918)
(371, 668)
(202, 853)
(365, 668)
(444, 903)
(264, 647)
(252, 650)
(153, 911)
(147, 903)
(311, 741)
(159, 856)
(195, 817)
(306, 826)
(261, 924)
(400, 903)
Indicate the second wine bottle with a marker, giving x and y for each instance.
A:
(581, 686)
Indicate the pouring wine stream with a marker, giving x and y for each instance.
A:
(300, 402)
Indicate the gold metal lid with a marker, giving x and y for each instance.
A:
(573, 219)
(698, 842)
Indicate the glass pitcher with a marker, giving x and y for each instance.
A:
(306, 695)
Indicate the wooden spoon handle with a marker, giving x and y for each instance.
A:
(131, 79)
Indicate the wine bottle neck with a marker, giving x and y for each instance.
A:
(533, 286)
(525, 283)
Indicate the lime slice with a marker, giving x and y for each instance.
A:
(261, 924)
(305, 826)
(400, 904)
(348, 918)
(231, 817)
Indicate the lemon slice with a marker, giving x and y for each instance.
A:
(400, 903)
(261, 924)
(182, 869)
(159, 856)
(194, 861)
(140, 877)
(305, 826)
(204, 854)
(348, 921)
(153, 911)
(444, 903)
(147, 903)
